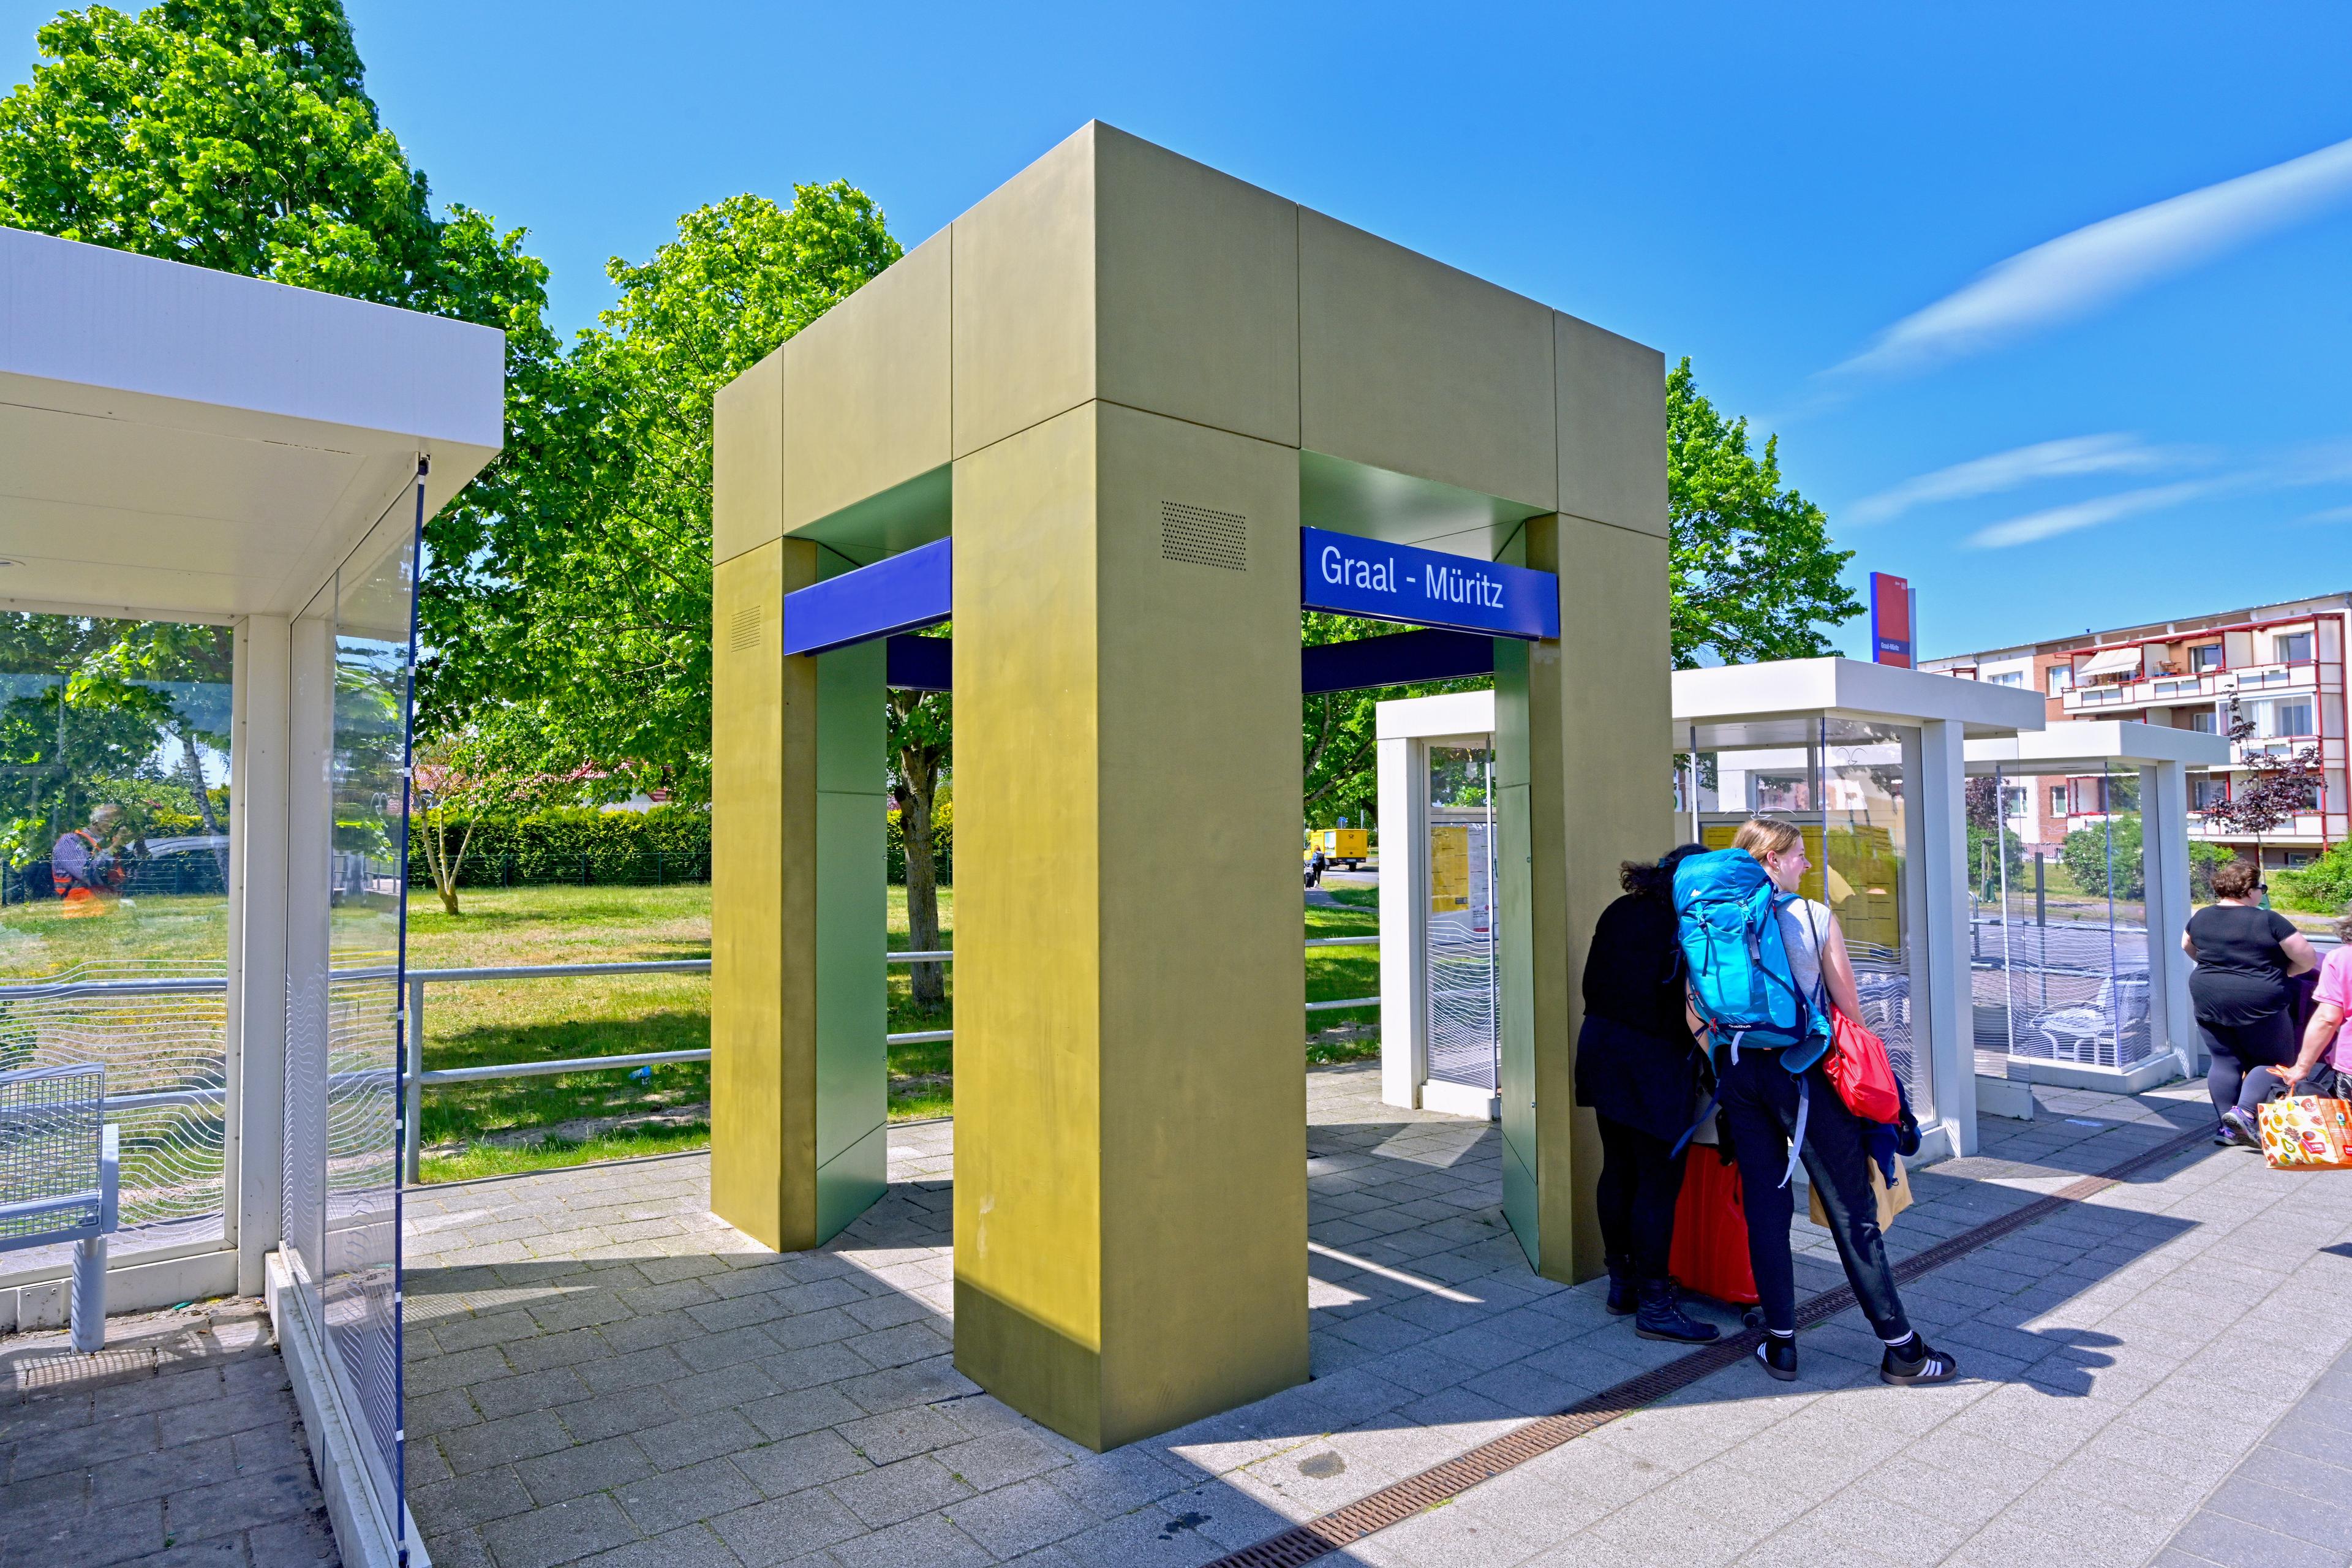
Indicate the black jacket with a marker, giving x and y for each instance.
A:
(1635, 1060)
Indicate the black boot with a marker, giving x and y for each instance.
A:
(1663, 1317)
(1620, 1286)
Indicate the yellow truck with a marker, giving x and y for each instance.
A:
(1349, 847)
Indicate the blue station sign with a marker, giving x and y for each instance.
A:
(1351, 576)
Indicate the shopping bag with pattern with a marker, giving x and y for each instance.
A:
(2308, 1134)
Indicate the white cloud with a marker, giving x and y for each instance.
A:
(2333, 514)
(2036, 526)
(2078, 272)
(2011, 469)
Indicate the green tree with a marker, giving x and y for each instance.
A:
(576, 624)
(1753, 572)
(238, 135)
(921, 726)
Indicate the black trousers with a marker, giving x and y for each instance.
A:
(2238, 1051)
(1639, 1180)
(1760, 1115)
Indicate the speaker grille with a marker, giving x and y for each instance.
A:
(743, 632)
(1199, 536)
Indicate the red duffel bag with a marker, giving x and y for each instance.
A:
(1710, 1251)
(1861, 1071)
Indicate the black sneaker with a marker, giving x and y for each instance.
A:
(1779, 1356)
(1915, 1362)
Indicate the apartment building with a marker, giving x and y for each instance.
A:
(2280, 666)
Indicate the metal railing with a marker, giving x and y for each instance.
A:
(417, 1078)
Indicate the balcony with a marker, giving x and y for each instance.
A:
(2171, 690)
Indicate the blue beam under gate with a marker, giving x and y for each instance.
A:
(1463, 602)
(897, 593)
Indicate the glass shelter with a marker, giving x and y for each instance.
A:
(2076, 972)
(1439, 986)
(1866, 762)
(209, 547)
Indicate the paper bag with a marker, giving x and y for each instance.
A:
(1891, 1201)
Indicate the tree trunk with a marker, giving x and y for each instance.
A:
(919, 790)
(196, 770)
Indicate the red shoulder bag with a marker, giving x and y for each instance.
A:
(1861, 1071)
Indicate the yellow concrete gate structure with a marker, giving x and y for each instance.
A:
(1119, 388)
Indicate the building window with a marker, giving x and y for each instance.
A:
(2292, 647)
(2205, 721)
(2057, 800)
(2284, 718)
(2061, 679)
(2205, 659)
(2007, 678)
(2016, 801)
(2206, 791)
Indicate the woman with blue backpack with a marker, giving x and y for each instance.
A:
(1765, 968)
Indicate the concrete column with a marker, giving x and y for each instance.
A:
(2164, 839)
(799, 1070)
(259, 737)
(1944, 1017)
(1583, 745)
(1130, 1214)
(1404, 916)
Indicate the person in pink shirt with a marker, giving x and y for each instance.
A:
(2324, 1066)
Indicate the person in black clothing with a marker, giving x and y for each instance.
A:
(1637, 1068)
(2243, 985)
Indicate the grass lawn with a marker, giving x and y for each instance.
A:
(528, 1123)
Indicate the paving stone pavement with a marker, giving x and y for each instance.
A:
(2283, 1506)
(178, 1443)
(599, 1372)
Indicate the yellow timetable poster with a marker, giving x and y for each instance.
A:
(1864, 882)
(1449, 868)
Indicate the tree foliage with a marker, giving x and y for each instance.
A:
(1754, 575)
(573, 622)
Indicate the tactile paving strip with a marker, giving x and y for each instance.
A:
(1343, 1527)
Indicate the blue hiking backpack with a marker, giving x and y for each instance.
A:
(1728, 924)
(1726, 913)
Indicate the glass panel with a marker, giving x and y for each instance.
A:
(1842, 784)
(1461, 928)
(1866, 834)
(114, 792)
(2073, 939)
(344, 1040)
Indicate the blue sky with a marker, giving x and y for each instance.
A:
(1882, 231)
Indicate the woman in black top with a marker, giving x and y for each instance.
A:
(1637, 1068)
(2244, 956)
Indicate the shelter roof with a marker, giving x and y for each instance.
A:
(177, 443)
(1761, 694)
(2086, 745)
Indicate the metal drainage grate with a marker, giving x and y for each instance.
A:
(1343, 1527)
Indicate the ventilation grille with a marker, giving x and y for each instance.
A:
(743, 632)
(1198, 537)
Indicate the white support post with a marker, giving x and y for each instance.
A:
(2164, 839)
(309, 862)
(258, 753)
(1941, 840)
(1403, 1019)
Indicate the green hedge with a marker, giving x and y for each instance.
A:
(942, 846)
(2322, 887)
(667, 844)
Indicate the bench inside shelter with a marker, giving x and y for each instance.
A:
(59, 1175)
